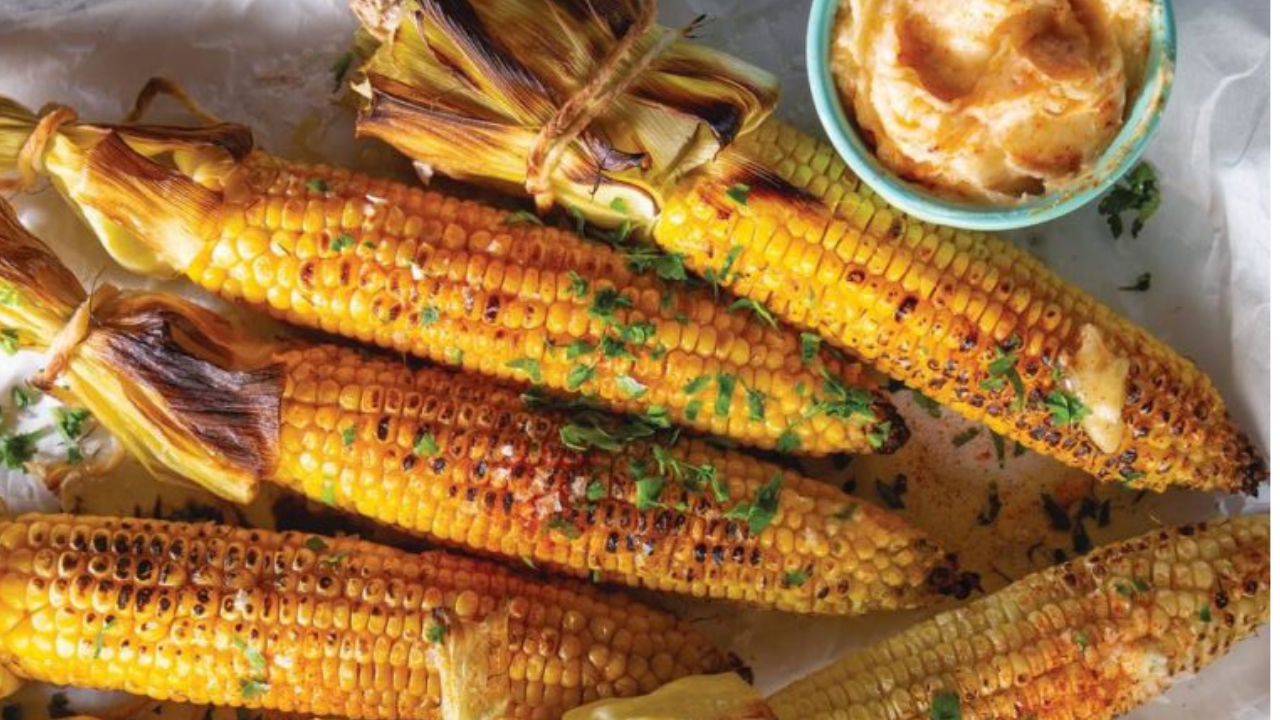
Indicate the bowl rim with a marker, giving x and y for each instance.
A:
(1120, 156)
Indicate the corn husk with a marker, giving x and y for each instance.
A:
(181, 390)
(466, 88)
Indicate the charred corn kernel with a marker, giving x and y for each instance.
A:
(304, 624)
(1087, 640)
(466, 461)
(460, 283)
(939, 309)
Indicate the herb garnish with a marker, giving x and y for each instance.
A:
(578, 285)
(521, 217)
(18, 448)
(1138, 192)
(1066, 408)
(994, 505)
(760, 512)
(430, 315)
(317, 185)
(964, 437)
(437, 632)
(9, 341)
(340, 68)
(528, 366)
(809, 346)
(349, 436)
(1004, 370)
(424, 445)
(342, 242)
(1142, 284)
(945, 706)
(756, 307)
(564, 527)
(891, 493)
(738, 192)
(794, 578)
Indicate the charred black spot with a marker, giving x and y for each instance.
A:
(906, 308)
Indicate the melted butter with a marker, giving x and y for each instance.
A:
(1097, 375)
(700, 697)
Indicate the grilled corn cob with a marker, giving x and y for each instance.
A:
(457, 282)
(459, 458)
(319, 626)
(1087, 640)
(963, 317)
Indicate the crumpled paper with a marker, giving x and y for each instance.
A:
(266, 63)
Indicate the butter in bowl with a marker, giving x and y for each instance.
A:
(990, 114)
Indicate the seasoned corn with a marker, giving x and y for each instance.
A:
(1087, 640)
(462, 284)
(324, 627)
(461, 458)
(963, 317)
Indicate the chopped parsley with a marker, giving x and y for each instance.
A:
(1066, 408)
(1205, 614)
(695, 385)
(564, 527)
(9, 341)
(18, 448)
(1003, 370)
(809, 346)
(8, 296)
(437, 632)
(578, 285)
(794, 578)
(755, 405)
(99, 639)
(596, 491)
(843, 401)
(342, 242)
(668, 266)
(430, 316)
(424, 445)
(257, 661)
(756, 307)
(579, 348)
(579, 375)
(528, 366)
(878, 435)
(1137, 192)
(618, 205)
(340, 68)
(253, 688)
(1058, 516)
(317, 185)
(349, 436)
(1128, 476)
(945, 706)
(891, 493)
(521, 217)
(930, 405)
(738, 192)
(316, 544)
(846, 512)
(70, 422)
(725, 385)
(964, 437)
(1081, 639)
(726, 268)
(453, 355)
(605, 303)
(22, 397)
(788, 441)
(1142, 284)
(763, 507)
(994, 505)
(997, 442)
(692, 410)
(630, 387)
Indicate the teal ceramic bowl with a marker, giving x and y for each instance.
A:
(1123, 153)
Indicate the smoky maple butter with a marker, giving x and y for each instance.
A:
(990, 101)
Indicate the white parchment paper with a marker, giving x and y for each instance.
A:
(266, 63)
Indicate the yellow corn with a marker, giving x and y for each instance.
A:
(316, 626)
(937, 308)
(467, 462)
(461, 458)
(965, 318)
(460, 283)
(1087, 640)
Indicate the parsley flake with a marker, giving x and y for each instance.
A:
(738, 192)
(528, 366)
(9, 341)
(794, 578)
(1138, 192)
(1142, 284)
(424, 445)
(342, 242)
(578, 285)
(756, 307)
(317, 185)
(809, 346)
(349, 436)
(945, 706)
(521, 217)
(1066, 408)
